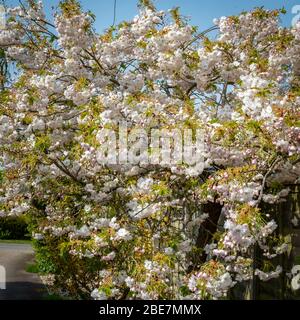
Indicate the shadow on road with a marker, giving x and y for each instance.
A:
(22, 291)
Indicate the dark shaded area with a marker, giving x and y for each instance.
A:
(13, 228)
(208, 227)
(22, 291)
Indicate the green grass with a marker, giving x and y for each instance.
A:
(53, 297)
(297, 260)
(16, 241)
(32, 268)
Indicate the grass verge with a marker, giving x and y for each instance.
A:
(32, 268)
(16, 241)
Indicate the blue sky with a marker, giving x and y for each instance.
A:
(200, 12)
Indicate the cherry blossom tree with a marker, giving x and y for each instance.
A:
(144, 230)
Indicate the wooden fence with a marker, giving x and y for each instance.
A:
(279, 288)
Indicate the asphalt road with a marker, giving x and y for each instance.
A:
(20, 285)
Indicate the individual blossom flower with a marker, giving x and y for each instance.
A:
(109, 257)
(123, 234)
(98, 295)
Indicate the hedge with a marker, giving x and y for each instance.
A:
(13, 228)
